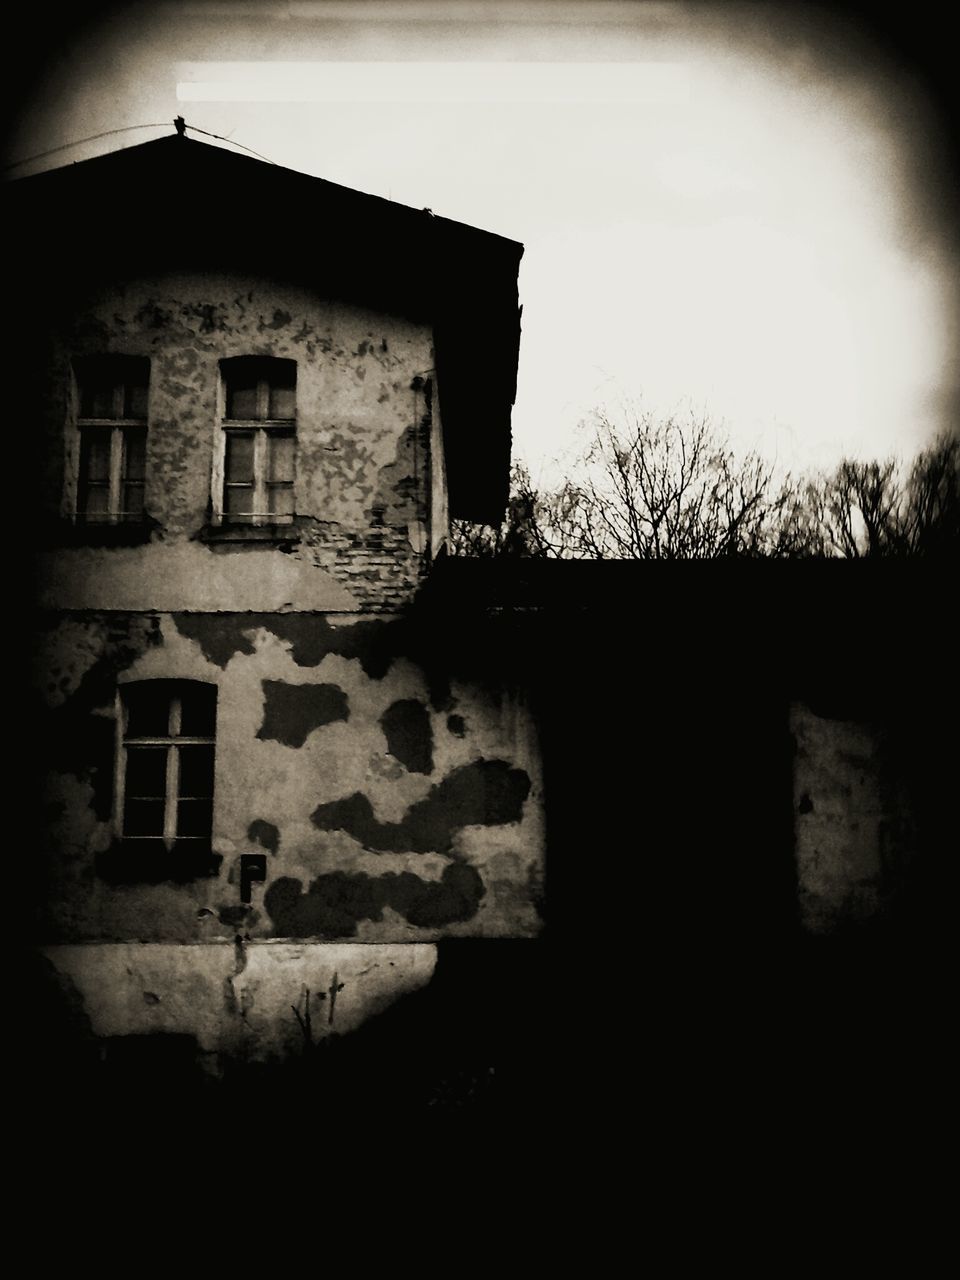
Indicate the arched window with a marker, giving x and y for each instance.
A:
(258, 432)
(166, 762)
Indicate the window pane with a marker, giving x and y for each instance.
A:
(283, 402)
(134, 453)
(198, 712)
(238, 502)
(148, 709)
(280, 457)
(132, 500)
(196, 771)
(194, 817)
(95, 454)
(143, 817)
(96, 397)
(113, 386)
(239, 459)
(135, 400)
(242, 396)
(146, 773)
(95, 502)
(280, 499)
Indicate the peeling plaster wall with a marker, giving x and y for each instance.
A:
(364, 485)
(390, 802)
(854, 835)
(392, 805)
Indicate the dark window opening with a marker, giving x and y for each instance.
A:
(112, 420)
(167, 765)
(259, 440)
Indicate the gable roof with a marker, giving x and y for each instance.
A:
(177, 203)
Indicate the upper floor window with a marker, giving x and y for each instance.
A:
(259, 440)
(112, 419)
(166, 762)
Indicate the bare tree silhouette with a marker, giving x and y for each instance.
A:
(651, 488)
(870, 509)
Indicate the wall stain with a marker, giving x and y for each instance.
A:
(334, 904)
(237, 915)
(265, 834)
(483, 793)
(375, 644)
(292, 711)
(310, 636)
(279, 320)
(209, 314)
(151, 316)
(406, 726)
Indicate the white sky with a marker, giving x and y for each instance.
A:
(717, 211)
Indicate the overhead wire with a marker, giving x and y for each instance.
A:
(193, 129)
(80, 141)
(163, 124)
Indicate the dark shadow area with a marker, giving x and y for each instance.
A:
(672, 994)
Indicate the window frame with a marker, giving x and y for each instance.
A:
(121, 428)
(173, 742)
(262, 429)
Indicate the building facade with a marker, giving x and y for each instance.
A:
(266, 790)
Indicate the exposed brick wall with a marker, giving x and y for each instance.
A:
(380, 567)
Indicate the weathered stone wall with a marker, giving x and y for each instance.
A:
(853, 827)
(363, 474)
(390, 800)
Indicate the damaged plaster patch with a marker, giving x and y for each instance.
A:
(334, 903)
(406, 727)
(310, 636)
(484, 793)
(375, 643)
(265, 834)
(292, 711)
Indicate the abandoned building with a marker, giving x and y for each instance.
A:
(289, 746)
(256, 426)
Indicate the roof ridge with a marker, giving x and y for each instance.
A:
(178, 142)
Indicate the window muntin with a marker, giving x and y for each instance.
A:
(112, 420)
(166, 766)
(259, 440)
